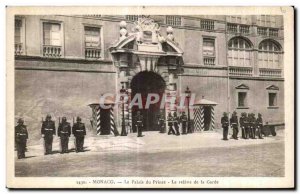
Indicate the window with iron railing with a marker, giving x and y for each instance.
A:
(173, 20)
(262, 31)
(92, 42)
(18, 37)
(207, 24)
(52, 40)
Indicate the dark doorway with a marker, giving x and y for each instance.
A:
(104, 121)
(207, 118)
(144, 83)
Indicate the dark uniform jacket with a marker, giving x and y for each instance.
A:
(224, 122)
(170, 120)
(252, 121)
(139, 120)
(48, 128)
(64, 129)
(242, 121)
(246, 121)
(78, 130)
(234, 121)
(183, 118)
(21, 133)
(259, 122)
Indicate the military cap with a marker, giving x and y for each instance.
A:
(78, 119)
(20, 120)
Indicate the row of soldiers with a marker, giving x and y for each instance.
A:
(48, 131)
(173, 123)
(249, 125)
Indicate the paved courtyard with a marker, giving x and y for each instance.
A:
(198, 154)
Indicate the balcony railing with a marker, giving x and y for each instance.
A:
(52, 51)
(209, 60)
(240, 71)
(92, 53)
(18, 48)
(207, 24)
(265, 72)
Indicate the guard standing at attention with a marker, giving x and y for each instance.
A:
(242, 125)
(225, 124)
(64, 132)
(139, 124)
(247, 125)
(234, 124)
(259, 124)
(79, 132)
(161, 122)
(176, 123)
(48, 131)
(170, 124)
(183, 120)
(21, 136)
(253, 126)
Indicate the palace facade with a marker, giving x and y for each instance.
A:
(64, 63)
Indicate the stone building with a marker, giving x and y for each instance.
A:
(64, 63)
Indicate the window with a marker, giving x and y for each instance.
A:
(92, 42)
(272, 99)
(266, 20)
(208, 51)
(242, 97)
(207, 24)
(269, 54)
(173, 20)
(238, 19)
(239, 52)
(52, 39)
(52, 34)
(18, 37)
(133, 17)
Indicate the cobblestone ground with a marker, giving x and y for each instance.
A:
(158, 155)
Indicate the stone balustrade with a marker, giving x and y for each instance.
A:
(241, 71)
(266, 72)
(92, 53)
(209, 61)
(52, 51)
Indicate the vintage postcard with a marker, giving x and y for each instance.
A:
(150, 97)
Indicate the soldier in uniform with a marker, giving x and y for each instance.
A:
(176, 123)
(139, 124)
(183, 120)
(254, 126)
(259, 124)
(251, 121)
(170, 124)
(247, 125)
(225, 124)
(64, 132)
(21, 136)
(234, 124)
(161, 122)
(242, 125)
(79, 132)
(48, 131)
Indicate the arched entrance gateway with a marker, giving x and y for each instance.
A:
(145, 83)
(146, 63)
